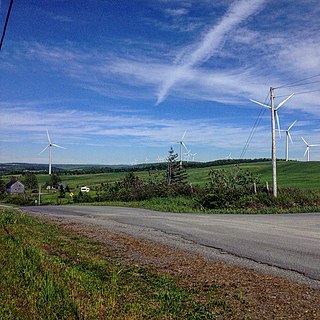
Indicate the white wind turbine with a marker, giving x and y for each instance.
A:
(193, 155)
(275, 109)
(187, 155)
(288, 136)
(307, 152)
(181, 143)
(50, 145)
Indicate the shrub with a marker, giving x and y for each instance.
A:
(82, 197)
(226, 188)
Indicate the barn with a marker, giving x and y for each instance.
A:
(15, 187)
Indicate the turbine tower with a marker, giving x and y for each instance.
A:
(181, 143)
(288, 136)
(307, 152)
(50, 145)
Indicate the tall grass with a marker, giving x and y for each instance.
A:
(48, 273)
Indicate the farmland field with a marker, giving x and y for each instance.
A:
(293, 174)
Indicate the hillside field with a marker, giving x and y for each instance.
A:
(293, 174)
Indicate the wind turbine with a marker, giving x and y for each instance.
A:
(288, 136)
(193, 155)
(50, 145)
(275, 109)
(274, 114)
(187, 155)
(181, 143)
(308, 148)
(229, 156)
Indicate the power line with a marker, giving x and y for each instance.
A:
(301, 84)
(6, 23)
(256, 124)
(302, 92)
(292, 83)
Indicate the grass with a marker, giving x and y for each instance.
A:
(49, 273)
(292, 174)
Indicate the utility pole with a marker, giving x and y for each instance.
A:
(273, 135)
(180, 154)
(274, 114)
(39, 195)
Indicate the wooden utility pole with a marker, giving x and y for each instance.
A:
(180, 154)
(273, 135)
(39, 195)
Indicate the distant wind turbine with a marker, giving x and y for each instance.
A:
(50, 145)
(160, 159)
(288, 136)
(181, 143)
(187, 155)
(307, 152)
(193, 155)
(275, 109)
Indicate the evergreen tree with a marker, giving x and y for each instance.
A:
(175, 174)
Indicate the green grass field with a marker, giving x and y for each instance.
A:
(49, 273)
(293, 174)
(303, 175)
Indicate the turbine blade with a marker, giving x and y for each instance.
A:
(55, 145)
(45, 148)
(184, 146)
(48, 137)
(261, 104)
(289, 135)
(306, 151)
(283, 102)
(278, 122)
(292, 125)
(304, 141)
(183, 135)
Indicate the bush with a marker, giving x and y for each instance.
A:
(82, 197)
(19, 199)
(226, 188)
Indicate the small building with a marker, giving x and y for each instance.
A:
(64, 186)
(15, 187)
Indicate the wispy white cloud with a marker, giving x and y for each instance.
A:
(206, 48)
(177, 11)
(74, 126)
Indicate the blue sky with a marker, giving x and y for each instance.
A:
(120, 81)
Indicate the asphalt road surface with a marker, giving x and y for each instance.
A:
(287, 245)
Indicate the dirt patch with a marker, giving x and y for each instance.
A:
(252, 295)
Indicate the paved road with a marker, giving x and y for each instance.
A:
(286, 245)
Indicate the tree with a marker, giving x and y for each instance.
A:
(62, 192)
(175, 174)
(54, 180)
(172, 163)
(30, 180)
(2, 187)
